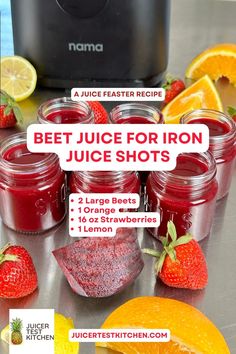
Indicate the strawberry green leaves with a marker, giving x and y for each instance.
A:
(7, 257)
(181, 264)
(169, 243)
(10, 106)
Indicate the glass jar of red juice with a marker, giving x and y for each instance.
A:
(65, 111)
(136, 113)
(105, 182)
(222, 131)
(32, 187)
(186, 195)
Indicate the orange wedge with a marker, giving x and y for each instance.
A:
(191, 331)
(201, 94)
(218, 61)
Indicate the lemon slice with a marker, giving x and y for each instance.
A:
(5, 334)
(62, 345)
(201, 94)
(18, 77)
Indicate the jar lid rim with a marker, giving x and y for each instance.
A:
(137, 106)
(217, 138)
(181, 180)
(64, 100)
(96, 175)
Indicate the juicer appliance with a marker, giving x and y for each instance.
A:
(93, 43)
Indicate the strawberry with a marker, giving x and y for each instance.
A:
(10, 112)
(18, 276)
(181, 264)
(100, 114)
(232, 112)
(173, 87)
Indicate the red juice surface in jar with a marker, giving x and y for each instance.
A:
(222, 143)
(65, 117)
(65, 111)
(134, 113)
(186, 195)
(20, 155)
(215, 127)
(32, 187)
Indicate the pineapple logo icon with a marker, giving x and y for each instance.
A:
(16, 335)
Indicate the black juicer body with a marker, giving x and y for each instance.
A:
(92, 43)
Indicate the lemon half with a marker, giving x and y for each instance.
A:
(18, 77)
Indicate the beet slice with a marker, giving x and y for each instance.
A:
(101, 266)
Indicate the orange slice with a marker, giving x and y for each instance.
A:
(191, 331)
(201, 94)
(218, 61)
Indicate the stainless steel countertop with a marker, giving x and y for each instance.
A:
(196, 24)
